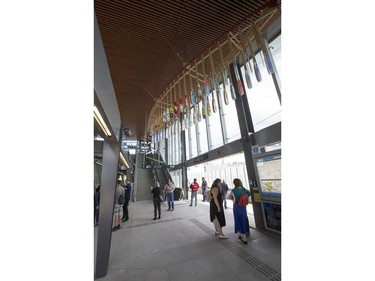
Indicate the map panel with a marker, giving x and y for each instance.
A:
(269, 171)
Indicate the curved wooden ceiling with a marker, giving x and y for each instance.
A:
(147, 43)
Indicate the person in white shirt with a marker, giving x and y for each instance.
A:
(169, 189)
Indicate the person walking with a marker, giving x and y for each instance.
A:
(156, 199)
(204, 189)
(216, 209)
(194, 190)
(128, 190)
(96, 205)
(224, 191)
(118, 207)
(169, 189)
(241, 223)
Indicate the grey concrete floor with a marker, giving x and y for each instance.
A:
(182, 246)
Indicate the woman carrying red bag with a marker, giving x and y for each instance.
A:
(241, 223)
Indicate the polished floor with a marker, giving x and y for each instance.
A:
(182, 246)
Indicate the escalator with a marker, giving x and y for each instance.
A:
(161, 174)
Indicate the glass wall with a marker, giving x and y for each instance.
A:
(226, 168)
(177, 178)
(170, 149)
(202, 133)
(188, 145)
(177, 144)
(215, 127)
(193, 140)
(162, 149)
(262, 97)
(275, 49)
(231, 118)
(265, 110)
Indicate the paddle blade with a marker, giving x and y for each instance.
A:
(258, 75)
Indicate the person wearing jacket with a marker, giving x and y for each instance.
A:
(128, 190)
(156, 199)
(96, 205)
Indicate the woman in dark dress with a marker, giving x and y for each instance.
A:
(216, 209)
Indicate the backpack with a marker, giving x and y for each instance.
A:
(243, 200)
(121, 199)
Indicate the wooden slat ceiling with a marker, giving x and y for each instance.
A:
(147, 43)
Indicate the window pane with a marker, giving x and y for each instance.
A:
(226, 168)
(215, 127)
(177, 139)
(187, 144)
(231, 119)
(202, 133)
(275, 48)
(263, 100)
(162, 149)
(170, 150)
(193, 140)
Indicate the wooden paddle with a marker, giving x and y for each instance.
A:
(187, 106)
(213, 79)
(258, 44)
(238, 80)
(223, 73)
(217, 87)
(175, 107)
(167, 105)
(263, 47)
(171, 105)
(200, 94)
(206, 87)
(232, 91)
(255, 64)
(244, 61)
(193, 99)
(197, 99)
(180, 106)
(192, 94)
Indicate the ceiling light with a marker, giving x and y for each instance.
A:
(98, 138)
(99, 119)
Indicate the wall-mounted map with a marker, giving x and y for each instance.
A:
(269, 171)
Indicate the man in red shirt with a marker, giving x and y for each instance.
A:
(194, 190)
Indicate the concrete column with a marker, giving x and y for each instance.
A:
(107, 194)
(246, 127)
